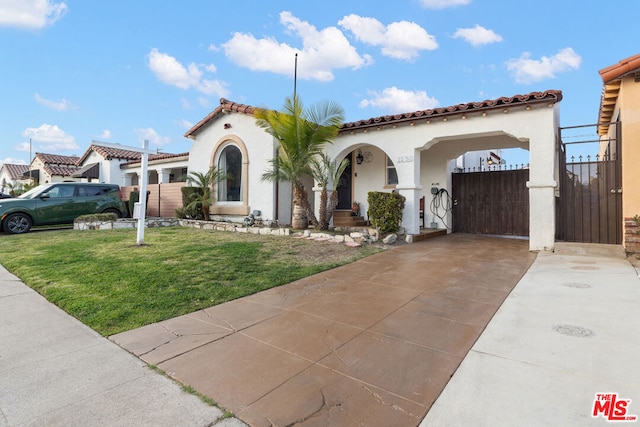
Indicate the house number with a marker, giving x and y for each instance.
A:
(405, 159)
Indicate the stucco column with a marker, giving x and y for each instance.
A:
(542, 186)
(408, 169)
(164, 176)
(126, 179)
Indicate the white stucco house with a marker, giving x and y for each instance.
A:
(120, 166)
(410, 153)
(11, 176)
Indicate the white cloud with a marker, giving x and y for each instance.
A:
(442, 4)
(398, 100)
(184, 124)
(12, 161)
(30, 14)
(477, 35)
(62, 105)
(170, 71)
(152, 136)
(48, 139)
(401, 40)
(106, 134)
(527, 70)
(322, 51)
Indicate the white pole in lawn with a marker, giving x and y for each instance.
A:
(143, 193)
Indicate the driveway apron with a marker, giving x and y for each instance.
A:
(370, 343)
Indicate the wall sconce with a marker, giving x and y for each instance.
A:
(363, 157)
(227, 125)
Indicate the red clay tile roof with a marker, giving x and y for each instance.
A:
(61, 170)
(159, 156)
(611, 79)
(552, 96)
(15, 171)
(225, 106)
(623, 67)
(57, 159)
(109, 153)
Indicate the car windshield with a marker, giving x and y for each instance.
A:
(34, 192)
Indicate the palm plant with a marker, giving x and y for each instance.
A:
(205, 198)
(327, 173)
(301, 134)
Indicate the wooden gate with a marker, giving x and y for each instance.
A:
(590, 204)
(495, 202)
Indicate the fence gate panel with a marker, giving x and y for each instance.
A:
(589, 209)
(495, 202)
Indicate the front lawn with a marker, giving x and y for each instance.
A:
(112, 285)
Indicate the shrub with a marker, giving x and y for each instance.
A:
(385, 211)
(99, 217)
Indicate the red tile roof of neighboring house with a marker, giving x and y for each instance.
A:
(109, 153)
(57, 159)
(549, 96)
(552, 96)
(15, 171)
(622, 68)
(611, 77)
(159, 156)
(61, 170)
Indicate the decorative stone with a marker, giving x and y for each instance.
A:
(390, 239)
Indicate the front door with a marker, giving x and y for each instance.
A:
(345, 186)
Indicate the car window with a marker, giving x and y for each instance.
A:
(61, 191)
(89, 191)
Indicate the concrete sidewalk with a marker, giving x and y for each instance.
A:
(55, 371)
(569, 330)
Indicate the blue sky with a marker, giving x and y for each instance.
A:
(124, 71)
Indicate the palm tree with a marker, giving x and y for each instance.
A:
(301, 134)
(327, 172)
(206, 181)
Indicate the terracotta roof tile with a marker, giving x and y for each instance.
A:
(623, 67)
(225, 106)
(160, 156)
(530, 98)
(57, 159)
(15, 171)
(61, 170)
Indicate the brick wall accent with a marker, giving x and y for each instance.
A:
(631, 235)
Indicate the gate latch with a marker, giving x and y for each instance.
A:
(614, 191)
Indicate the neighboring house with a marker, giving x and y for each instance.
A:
(409, 153)
(46, 168)
(120, 166)
(11, 176)
(619, 119)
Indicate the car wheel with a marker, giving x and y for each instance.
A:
(113, 211)
(17, 223)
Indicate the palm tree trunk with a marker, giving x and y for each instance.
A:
(323, 223)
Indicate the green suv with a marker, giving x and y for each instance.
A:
(59, 203)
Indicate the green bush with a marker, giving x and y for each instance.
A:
(99, 217)
(134, 197)
(385, 211)
(188, 210)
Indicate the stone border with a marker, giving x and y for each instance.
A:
(355, 236)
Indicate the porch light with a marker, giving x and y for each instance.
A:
(359, 157)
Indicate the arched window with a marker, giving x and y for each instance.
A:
(230, 163)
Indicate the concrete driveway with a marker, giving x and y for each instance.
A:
(371, 343)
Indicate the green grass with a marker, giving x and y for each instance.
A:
(112, 285)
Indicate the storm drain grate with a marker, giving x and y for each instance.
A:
(573, 331)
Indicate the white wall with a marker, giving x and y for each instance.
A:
(260, 148)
